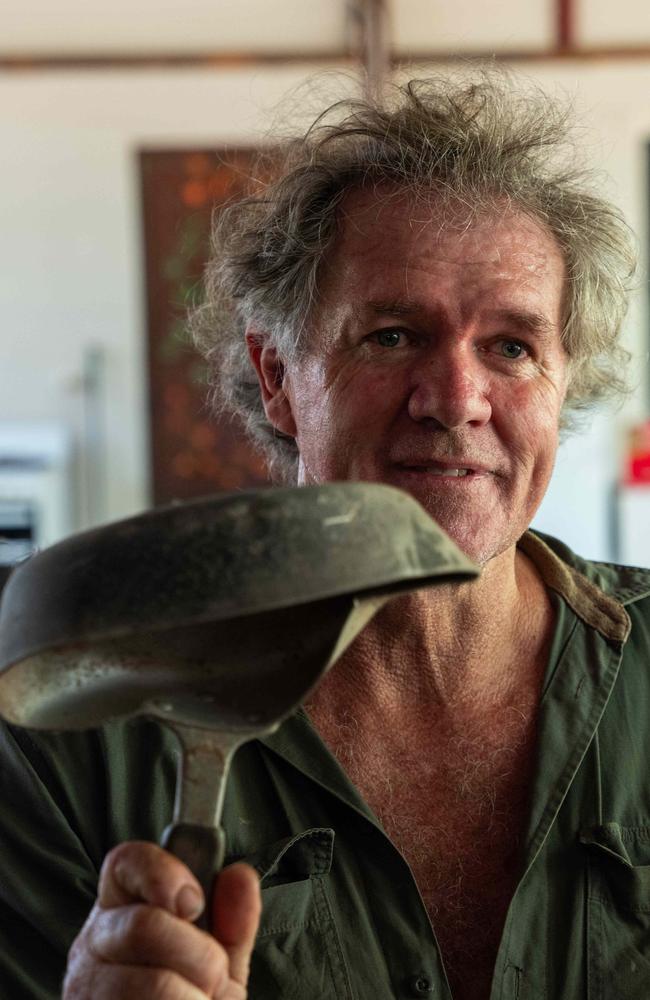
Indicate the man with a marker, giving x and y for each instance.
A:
(462, 810)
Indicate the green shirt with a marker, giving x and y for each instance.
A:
(342, 915)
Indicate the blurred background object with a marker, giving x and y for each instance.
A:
(192, 453)
(123, 125)
(632, 499)
(637, 470)
(36, 485)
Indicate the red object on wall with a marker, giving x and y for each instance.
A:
(638, 455)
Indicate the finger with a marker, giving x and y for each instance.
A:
(150, 936)
(236, 910)
(141, 872)
(133, 983)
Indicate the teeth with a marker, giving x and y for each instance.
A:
(436, 470)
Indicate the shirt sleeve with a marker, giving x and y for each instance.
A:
(48, 874)
(67, 799)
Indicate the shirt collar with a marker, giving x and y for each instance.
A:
(594, 605)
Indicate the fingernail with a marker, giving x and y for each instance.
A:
(189, 903)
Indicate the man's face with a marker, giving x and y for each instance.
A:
(435, 353)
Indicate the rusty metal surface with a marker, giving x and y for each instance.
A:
(222, 613)
(241, 674)
(229, 556)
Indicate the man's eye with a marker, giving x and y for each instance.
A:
(389, 338)
(512, 349)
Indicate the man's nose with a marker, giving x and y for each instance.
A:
(451, 391)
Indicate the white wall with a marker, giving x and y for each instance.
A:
(601, 22)
(472, 25)
(136, 26)
(70, 253)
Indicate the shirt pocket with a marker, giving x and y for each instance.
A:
(298, 950)
(618, 912)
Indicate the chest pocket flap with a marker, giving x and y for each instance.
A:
(298, 949)
(618, 911)
(620, 857)
(300, 857)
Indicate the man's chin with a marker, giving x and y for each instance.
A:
(480, 541)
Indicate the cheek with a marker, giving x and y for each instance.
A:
(360, 394)
(530, 421)
(309, 395)
(530, 434)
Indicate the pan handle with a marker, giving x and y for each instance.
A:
(202, 849)
(195, 835)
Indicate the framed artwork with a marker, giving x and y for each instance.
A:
(192, 453)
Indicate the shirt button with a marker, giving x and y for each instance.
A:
(420, 985)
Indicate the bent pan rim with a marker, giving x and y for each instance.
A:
(26, 596)
(383, 589)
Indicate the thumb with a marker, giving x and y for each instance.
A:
(236, 908)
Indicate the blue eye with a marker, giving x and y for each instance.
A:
(388, 338)
(512, 349)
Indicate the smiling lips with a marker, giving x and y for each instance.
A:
(450, 472)
(457, 470)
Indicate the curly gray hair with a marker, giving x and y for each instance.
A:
(471, 143)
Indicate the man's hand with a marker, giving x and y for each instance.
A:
(139, 940)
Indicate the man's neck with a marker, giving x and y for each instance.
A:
(449, 648)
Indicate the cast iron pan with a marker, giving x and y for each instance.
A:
(217, 616)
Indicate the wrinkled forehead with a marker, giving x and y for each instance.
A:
(386, 215)
(386, 235)
(365, 208)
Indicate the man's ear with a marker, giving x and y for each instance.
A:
(271, 376)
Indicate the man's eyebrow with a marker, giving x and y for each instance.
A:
(523, 319)
(531, 322)
(393, 307)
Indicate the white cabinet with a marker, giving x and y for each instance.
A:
(35, 488)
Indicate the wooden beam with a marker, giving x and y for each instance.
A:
(40, 62)
(32, 61)
(592, 53)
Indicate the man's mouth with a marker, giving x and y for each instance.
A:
(455, 470)
(434, 470)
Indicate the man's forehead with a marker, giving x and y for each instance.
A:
(371, 219)
(398, 254)
(364, 211)
(387, 230)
